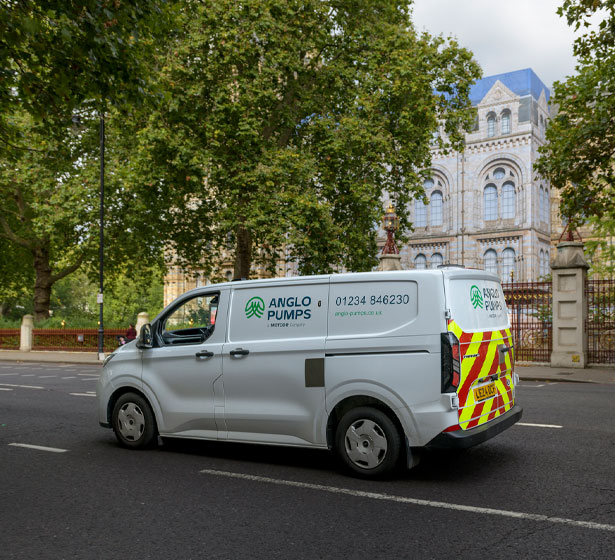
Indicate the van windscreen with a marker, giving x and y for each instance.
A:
(477, 304)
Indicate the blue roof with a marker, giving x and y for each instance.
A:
(522, 82)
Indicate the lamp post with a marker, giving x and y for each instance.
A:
(390, 223)
(101, 329)
(390, 259)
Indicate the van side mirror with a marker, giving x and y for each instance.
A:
(145, 337)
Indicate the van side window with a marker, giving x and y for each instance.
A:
(192, 322)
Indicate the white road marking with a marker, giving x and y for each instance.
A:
(83, 394)
(73, 377)
(5, 374)
(415, 501)
(21, 386)
(89, 379)
(46, 376)
(39, 447)
(539, 425)
(88, 374)
(5, 389)
(27, 375)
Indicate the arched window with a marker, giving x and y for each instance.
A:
(436, 208)
(420, 261)
(508, 265)
(499, 173)
(427, 184)
(491, 261)
(436, 260)
(508, 200)
(546, 204)
(490, 202)
(506, 122)
(490, 125)
(420, 214)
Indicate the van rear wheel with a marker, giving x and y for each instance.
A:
(367, 442)
(133, 421)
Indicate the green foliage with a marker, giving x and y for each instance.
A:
(284, 121)
(578, 158)
(74, 300)
(59, 56)
(600, 251)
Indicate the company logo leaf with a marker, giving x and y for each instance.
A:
(476, 297)
(255, 307)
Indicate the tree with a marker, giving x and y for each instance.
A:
(62, 56)
(285, 121)
(46, 208)
(61, 63)
(579, 156)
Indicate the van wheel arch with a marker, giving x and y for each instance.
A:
(122, 391)
(355, 402)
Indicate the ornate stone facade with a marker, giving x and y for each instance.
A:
(487, 208)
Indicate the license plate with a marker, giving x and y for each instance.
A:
(485, 392)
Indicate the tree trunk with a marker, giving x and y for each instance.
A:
(243, 253)
(43, 283)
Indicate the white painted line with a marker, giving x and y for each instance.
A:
(89, 379)
(89, 374)
(46, 376)
(415, 501)
(539, 425)
(39, 447)
(83, 394)
(21, 386)
(5, 374)
(28, 375)
(5, 389)
(73, 377)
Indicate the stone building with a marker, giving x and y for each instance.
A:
(487, 208)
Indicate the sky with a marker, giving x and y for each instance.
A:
(504, 35)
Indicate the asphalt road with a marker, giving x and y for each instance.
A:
(544, 489)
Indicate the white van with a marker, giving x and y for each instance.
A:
(371, 365)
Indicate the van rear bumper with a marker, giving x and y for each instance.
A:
(462, 439)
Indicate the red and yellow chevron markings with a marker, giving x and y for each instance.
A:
(484, 366)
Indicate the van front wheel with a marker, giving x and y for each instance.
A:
(368, 442)
(133, 421)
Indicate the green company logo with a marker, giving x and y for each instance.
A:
(255, 307)
(476, 297)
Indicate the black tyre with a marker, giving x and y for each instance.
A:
(367, 442)
(133, 422)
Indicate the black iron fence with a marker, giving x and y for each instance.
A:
(600, 322)
(530, 307)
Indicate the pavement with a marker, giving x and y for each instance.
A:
(603, 374)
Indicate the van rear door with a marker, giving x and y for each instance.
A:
(479, 320)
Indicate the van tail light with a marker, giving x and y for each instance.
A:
(450, 353)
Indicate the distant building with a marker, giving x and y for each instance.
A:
(487, 208)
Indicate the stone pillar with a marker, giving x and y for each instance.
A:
(390, 262)
(142, 319)
(569, 306)
(27, 325)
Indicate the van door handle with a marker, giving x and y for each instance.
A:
(204, 354)
(239, 352)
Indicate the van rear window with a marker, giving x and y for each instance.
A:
(477, 305)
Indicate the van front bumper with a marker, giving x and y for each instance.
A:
(462, 439)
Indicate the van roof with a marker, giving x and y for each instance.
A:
(446, 271)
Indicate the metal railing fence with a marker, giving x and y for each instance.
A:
(530, 306)
(600, 322)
